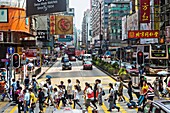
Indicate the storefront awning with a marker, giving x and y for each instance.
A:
(24, 34)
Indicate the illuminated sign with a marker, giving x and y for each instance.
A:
(144, 11)
(143, 34)
(158, 54)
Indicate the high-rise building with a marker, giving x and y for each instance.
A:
(86, 29)
(117, 9)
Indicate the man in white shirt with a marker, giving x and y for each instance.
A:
(69, 91)
(100, 90)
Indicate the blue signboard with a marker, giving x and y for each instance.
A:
(67, 39)
(10, 50)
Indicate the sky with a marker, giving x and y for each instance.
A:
(80, 6)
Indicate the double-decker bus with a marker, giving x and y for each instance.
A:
(70, 50)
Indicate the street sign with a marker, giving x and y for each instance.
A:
(10, 50)
(69, 39)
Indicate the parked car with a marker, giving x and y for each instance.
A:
(158, 106)
(72, 58)
(66, 65)
(87, 65)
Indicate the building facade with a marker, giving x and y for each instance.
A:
(86, 29)
(117, 9)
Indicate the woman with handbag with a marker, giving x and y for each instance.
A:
(111, 99)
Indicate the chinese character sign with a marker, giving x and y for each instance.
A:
(144, 11)
(156, 14)
(143, 34)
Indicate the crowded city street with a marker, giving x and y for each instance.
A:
(83, 76)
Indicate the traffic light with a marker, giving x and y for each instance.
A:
(16, 60)
(140, 57)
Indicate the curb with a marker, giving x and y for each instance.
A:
(39, 76)
(109, 75)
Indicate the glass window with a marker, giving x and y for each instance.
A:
(155, 110)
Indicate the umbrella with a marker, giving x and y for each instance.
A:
(48, 76)
(162, 73)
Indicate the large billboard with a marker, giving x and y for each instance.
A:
(144, 11)
(124, 27)
(143, 34)
(64, 25)
(132, 22)
(35, 7)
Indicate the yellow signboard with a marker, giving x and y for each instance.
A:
(19, 50)
(64, 25)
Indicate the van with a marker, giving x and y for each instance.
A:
(87, 57)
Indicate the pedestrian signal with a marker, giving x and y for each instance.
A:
(16, 60)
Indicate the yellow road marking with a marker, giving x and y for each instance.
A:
(105, 108)
(13, 109)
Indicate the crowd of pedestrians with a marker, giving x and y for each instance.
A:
(27, 96)
(31, 92)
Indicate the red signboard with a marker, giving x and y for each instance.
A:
(144, 11)
(143, 34)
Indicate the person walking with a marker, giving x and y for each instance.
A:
(95, 90)
(32, 101)
(50, 91)
(41, 99)
(26, 100)
(69, 91)
(27, 82)
(143, 94)
(76, 97)
(64, 96)
(34, 86)
(45, 91)
(111, 98)
(14, 88)
(130, 89)
(78, 84)
(156, 87)
(89, 97)
(56, 98)
(20, 100)
(6, 92)
(120, 91)
(100, 90)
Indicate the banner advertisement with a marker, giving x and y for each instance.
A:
(35, 7)
(156, 14)
(64, 25)
(132, 22)
(143, 34)
(144, 11)
(52, 24)
(124, 27)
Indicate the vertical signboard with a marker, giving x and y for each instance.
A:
(144, 11)
(52, 24)
(156, 14)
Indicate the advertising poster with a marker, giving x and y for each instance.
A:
(132, 22)
(64, 25)
(3, 15)
(36, 7)
(156, 14)
(124, 28)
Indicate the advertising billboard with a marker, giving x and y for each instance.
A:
(143, 34)
(64, 25)
(3, 15)
(156, 14)
(36, 7)
(144, 11)
(124, 27)
(132, 22)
